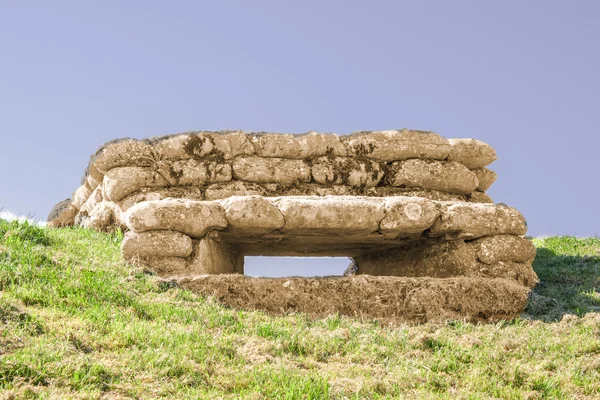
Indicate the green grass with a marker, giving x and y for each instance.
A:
(77, 322)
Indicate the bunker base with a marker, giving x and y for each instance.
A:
(409, 207)
(386, 299)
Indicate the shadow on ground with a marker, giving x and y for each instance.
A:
(569, 284)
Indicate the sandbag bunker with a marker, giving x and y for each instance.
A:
(409, 207)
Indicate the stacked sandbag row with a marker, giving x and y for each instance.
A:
(216, 165)
(395, 236)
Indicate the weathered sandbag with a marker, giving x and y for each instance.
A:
(471, 153)
(485, 177)
(474, 220)
(430, 174)
(92, 182)
(251, 215)
(308, 145)
(225, 145)
(120, 153)
(407, 216)
(273, 170)
(122, 181)
(155, 244)
(397, 145)
(492, 249)
(80, 196)
(194, 218)
(93, 173)
(336, 215)
(348, 171)
(198, 172)
(92, 200)
(213, 255)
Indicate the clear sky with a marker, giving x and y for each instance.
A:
(523, 76)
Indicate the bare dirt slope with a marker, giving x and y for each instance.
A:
(388, 299)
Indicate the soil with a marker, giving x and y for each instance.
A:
(386, 299)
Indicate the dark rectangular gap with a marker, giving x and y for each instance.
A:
(275, 267)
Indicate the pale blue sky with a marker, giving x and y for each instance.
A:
(520, 75)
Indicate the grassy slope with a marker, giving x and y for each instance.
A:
(77, 322)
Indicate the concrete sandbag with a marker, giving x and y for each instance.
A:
(252, 215)
(308, 145)
(348, 171)
(212, 255)
(155, 244)
(485, 177)
(430, 174)
(407, 216)
(474, 220)
(397, 145)
(271, 170)
(225, 145)
(493, 249)
(194, 218)
(120, 153)
(122, 181)
(471, 153)
(331, 214)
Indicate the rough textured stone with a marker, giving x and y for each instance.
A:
(429, 174)
(348, 171)
(471, 153)
(407, 216)
(194, 218)
(472, 220)
(252, 215)
(156, 244)
(485, 177)
(311, 144)
(331, 214)
(271, 170)
(397, 145)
